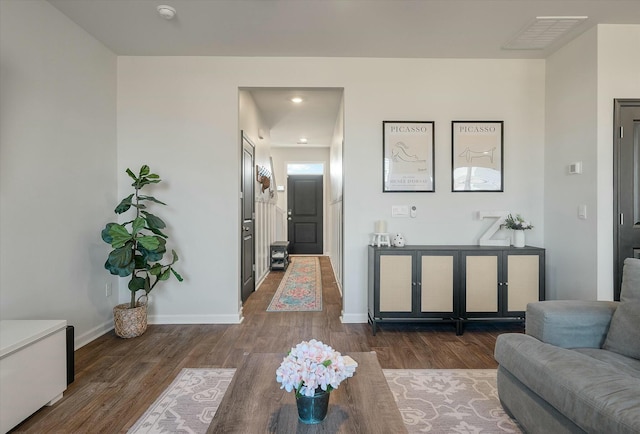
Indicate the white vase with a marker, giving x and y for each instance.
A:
(518, 238)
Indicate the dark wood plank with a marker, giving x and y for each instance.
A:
(255, 403)
(118, 379)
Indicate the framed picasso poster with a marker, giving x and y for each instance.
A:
(408, 153)
(477, 156)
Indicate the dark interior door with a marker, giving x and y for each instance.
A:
(247, 254)
(626, 186)
(304, 214)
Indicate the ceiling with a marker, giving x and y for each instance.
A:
(313, 119)
(329, 28)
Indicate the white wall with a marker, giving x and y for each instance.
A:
(57, 168)
(571, 125)
(189, 132)
(335, 230)
(583, 78)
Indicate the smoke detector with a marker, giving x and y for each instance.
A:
(166, 12)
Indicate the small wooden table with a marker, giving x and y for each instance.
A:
(254, 402)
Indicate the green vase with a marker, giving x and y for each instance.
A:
(313, 409)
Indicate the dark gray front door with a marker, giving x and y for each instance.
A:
(304, 201)
(626, 185)
(247, 254)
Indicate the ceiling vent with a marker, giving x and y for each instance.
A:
(543, 32)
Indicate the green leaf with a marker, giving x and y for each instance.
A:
(106, 237)
(140, 262)
(153, 176)
(153, 221)
(138, 224)
(144, 170)
(136, 283)
(119, 271)
(326, 363)
(119, 234)
(175, 273)
(175, 256)
(144, 181)
(149, 242)
(124, 205)
(121, 257)
(130, 173)
(120, 261)
(155, 255)
(165, 275)
(152, 199)
(155, 270)
(158, 232)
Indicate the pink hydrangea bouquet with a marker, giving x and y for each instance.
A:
(310, 366)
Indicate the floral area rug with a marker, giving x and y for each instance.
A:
(301, 287)
(453, 401)
(188, 404)
(449, 401)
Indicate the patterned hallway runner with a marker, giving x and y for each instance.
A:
(301, 287)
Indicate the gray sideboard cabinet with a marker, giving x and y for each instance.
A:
(497, 283)
(413, 283)
(454, 284)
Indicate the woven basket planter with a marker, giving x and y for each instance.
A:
(130, 322)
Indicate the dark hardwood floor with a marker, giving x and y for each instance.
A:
(116, 380)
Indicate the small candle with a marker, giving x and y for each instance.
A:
(381, 227)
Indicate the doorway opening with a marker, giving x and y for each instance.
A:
(626, 186)
(296, 126)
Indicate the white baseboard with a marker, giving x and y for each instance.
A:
(93, 334)
(354, 318)
(195, 319)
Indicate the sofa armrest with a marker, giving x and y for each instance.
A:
(570, 323)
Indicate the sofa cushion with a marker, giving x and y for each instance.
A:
(595, 395)
(621, 363)
(624, 332)
(630, 290)
(570, 323)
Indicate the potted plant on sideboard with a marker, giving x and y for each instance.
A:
(138, 246)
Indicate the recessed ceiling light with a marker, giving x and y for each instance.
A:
(302, 140)
(296, 100)
(542, 32)
(166, 12)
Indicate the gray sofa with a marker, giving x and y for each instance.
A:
(577, 368)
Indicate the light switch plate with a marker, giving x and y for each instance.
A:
(582, 212)
(400, 211)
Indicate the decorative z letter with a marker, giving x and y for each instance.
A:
(485, 239)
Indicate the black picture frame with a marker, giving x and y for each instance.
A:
(477, 156)
(408, 149)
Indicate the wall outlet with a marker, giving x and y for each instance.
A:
(107, 289)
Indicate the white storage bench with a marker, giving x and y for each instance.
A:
(33, 367)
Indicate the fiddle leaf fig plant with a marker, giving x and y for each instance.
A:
(139, 245)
